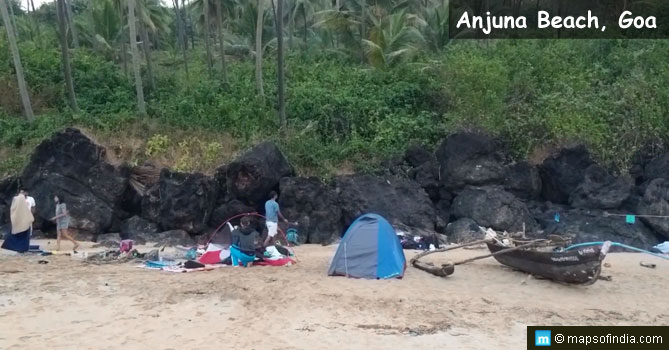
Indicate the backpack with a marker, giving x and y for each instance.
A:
(291, 236)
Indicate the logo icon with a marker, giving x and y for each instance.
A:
(542, 338)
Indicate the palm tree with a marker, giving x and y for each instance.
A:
(18, 67)
(32, 3)
(363, 28)
(259, 50)
(73, 27)
(221, 42)
(182, 34)
(34, 17)
(187, 15)
(141, 106)
(280, 70)
(207, 35)
(393, 39)
(305, 9)
(67, 70)
(436, 29)
(146, 45)
(12, 17)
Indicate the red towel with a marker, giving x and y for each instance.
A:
(211, 257)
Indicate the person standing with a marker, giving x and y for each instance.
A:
(30, 201)
(272, 215)
(31, 206)
(21, 219)
(62, 220)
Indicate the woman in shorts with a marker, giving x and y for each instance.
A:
(62, 220)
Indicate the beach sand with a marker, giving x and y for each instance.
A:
(69, 304)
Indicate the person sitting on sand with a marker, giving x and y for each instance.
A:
(242, 250)
(62, 220)
(272, 215)
(21, 219)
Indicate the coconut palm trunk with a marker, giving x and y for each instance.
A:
(291, 29)
(221, 42)
(207, 36)
(23, 88)
(304, 17)
(259, 27)
(280, 70)
(181, 35)
(64, 50)
(124, 49)
(146, 48)
(34, 16)
(190, 20)
(141, 105)
(363, 29)
(12, 19)
(73, 27)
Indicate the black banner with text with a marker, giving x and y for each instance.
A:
(598, 337)
(559, 19)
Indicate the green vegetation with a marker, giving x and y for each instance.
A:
(348, 104)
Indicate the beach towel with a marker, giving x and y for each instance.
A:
(18, 242)
(159, 264)
(211, 257)
(285, 261)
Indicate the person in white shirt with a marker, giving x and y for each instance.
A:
(31, 205)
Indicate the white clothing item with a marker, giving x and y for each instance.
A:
(273, 253)
(31, 202)
(272, 228)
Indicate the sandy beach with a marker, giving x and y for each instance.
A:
(70, 304)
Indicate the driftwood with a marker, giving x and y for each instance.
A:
(448, 269)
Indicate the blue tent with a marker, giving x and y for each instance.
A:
(370, 249)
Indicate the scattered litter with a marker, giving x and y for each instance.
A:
(42, 262)
(607, 265)
(126, 245)
(606, 278)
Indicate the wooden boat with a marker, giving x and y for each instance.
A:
(578, 266)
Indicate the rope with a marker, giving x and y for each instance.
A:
(607, 214)
(616, 244)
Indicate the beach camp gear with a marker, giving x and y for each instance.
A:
(126, 245)
(369, 249)
(291, 236)
(222, 234)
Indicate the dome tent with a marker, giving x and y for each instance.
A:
(369, 249)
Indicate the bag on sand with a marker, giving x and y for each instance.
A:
(291, 236)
